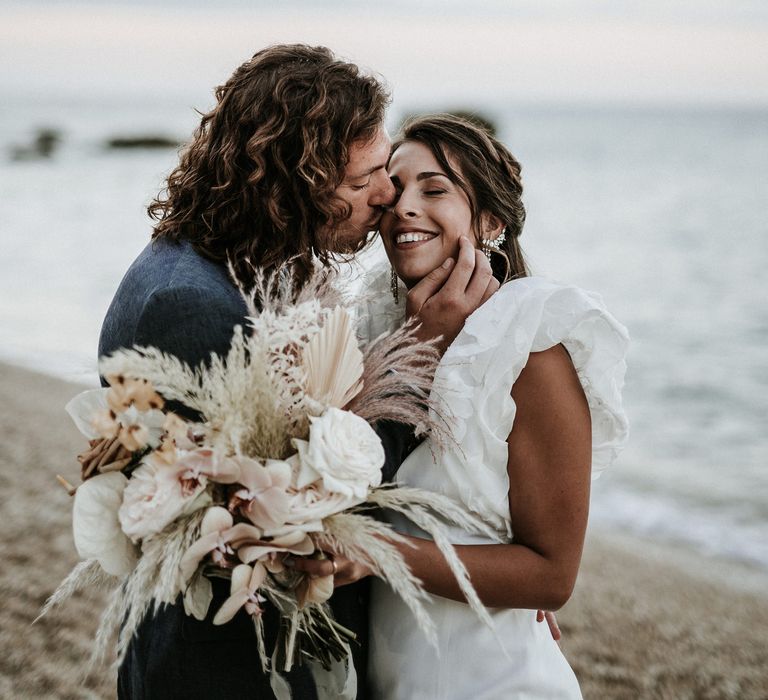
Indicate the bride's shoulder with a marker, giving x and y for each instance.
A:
(537, 306)
(518, 292)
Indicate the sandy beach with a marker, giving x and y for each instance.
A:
(646, 621)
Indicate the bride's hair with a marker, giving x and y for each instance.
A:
(257, 181)
(487, 172)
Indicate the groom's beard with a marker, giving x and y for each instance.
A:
(349, 246)
(350, 239)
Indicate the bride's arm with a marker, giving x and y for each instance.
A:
(549, 473)
(549, 465)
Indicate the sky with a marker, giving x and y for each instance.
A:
(554, 51)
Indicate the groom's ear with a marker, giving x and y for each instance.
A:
(491, 226)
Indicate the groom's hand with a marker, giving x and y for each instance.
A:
(554, 628)
(448, 295)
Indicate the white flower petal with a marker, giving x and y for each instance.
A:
(152, 499)
(83, 407)
(241, 577)
(95, 526)
(344, 450)
(216, 519)
(306, 474)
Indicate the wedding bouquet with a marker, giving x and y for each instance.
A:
(274, 456)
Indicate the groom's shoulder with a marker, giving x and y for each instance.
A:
(167, 265)
(174, 298)
(170, 274)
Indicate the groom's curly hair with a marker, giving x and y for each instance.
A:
(256, 183)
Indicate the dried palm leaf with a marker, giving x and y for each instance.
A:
(333, 361)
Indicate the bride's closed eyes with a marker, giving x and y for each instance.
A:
(428, 193)
(430, 189)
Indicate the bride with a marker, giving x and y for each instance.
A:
(531, 387)
(531, 390)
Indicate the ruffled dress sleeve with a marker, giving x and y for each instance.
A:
(474, 381)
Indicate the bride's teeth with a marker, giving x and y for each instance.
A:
(412, 237)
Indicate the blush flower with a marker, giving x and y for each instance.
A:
(251, 546)
(314, 503)
(199, 465)
(245, 584)
(217, 521)
(156, 495)
(125, 392)
(264, 498)
(95, 418)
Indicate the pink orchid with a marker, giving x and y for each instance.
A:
(245, 585)
(222, 541)
(252, 546)
(199, 465)
(217, 522)
(264, 498)
(179, 432)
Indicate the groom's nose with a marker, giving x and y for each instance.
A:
(404, 208)
(383, 193)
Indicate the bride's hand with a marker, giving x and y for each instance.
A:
(343, 570)
(448, 295)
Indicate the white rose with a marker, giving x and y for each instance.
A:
(343, 451)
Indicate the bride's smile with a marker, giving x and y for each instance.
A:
(430, 213)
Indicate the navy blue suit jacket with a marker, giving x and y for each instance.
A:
(177, 300)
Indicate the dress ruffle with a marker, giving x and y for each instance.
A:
(473, 382)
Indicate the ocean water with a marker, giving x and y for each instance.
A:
(662, 211)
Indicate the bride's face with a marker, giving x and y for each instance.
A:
(428, 217)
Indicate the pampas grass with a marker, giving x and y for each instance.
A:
(397, 380)
(87, 574)
(155, 580)
(417, 508)
(255, 399)
(235, 396)
(369, 541)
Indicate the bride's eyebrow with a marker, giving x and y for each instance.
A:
(426, 175)
(421, 176)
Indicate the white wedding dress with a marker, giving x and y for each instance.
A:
(472, 388)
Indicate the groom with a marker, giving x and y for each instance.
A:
(290, 165)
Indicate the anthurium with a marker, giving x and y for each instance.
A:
(96, 527)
